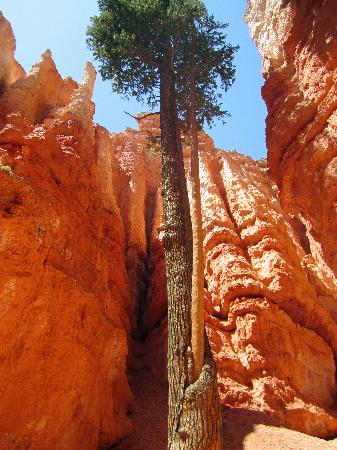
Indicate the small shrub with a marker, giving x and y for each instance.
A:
(153, 146)
(6, 169)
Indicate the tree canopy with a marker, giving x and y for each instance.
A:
(130, 51)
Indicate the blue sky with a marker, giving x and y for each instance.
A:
(61, 26)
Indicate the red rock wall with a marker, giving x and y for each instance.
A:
(280, 246)
(298, 45)
(273, 340)
(76, 208)
(65, 303)
(10, 69)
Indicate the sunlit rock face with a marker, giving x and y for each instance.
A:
(10, 69)
(298, 45)
(65, 303)
(83, 270)
(76, 208)
(273, 340)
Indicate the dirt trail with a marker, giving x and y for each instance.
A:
(243, 429)
(149, 412)
(250, 430)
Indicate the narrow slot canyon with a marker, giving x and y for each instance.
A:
(146, 367)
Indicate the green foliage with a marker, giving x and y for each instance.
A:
(153, 145)
(213, 58)
(127, 39)
(6, 169)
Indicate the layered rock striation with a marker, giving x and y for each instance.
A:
(298, 45)
(83, 271)
(65, 308)
(273, 340)
(76, 204)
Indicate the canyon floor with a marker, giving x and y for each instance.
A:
(243, 429)
(149, 409)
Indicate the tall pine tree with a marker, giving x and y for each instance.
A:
(204, 67)
(139, 44)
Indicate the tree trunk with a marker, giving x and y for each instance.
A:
(198, 325)
(194, 421)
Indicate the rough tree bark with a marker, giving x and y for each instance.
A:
(194, 421)
(198, 325)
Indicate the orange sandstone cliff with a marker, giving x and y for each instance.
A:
(82, 273)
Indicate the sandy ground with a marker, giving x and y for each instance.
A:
(149, 409)
(243, 429)
(249, 430)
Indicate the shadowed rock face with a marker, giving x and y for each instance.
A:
(83, 267)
